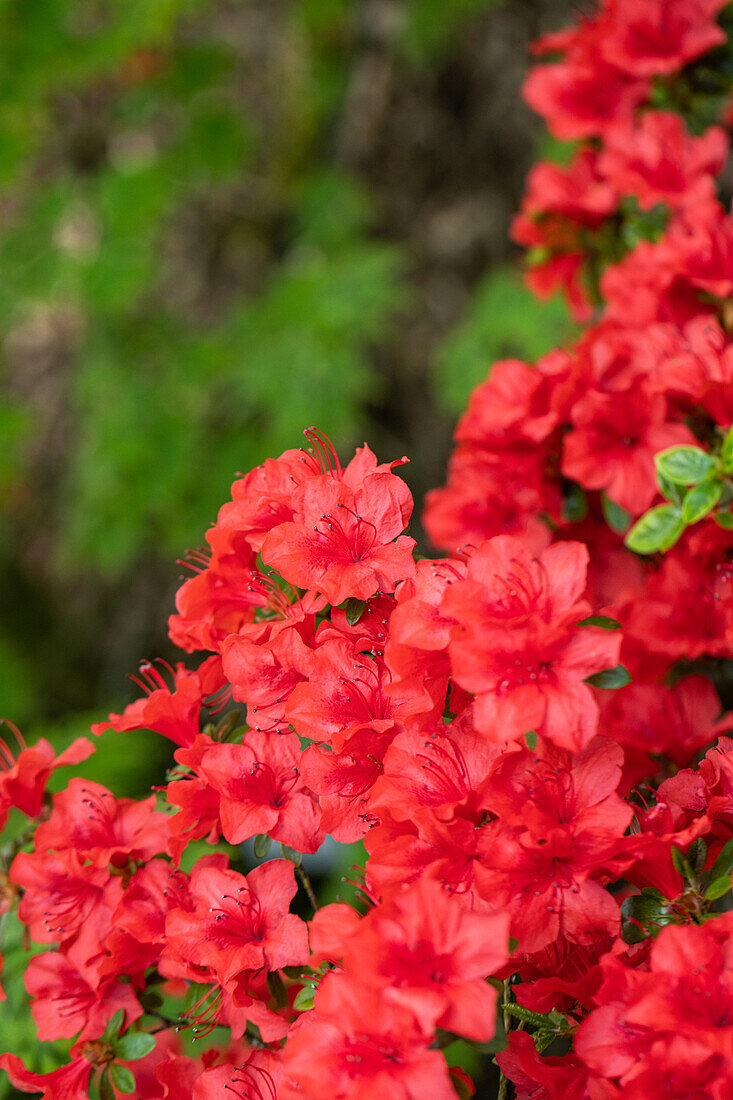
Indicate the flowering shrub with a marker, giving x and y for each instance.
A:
(528, 734)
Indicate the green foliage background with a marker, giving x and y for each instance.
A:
(222, 221)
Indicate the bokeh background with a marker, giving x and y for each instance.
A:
(222, 221)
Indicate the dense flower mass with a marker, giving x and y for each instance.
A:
(529, 734)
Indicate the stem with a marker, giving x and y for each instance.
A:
(503, 1091)
(306, 884)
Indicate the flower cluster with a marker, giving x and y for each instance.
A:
(512, 730)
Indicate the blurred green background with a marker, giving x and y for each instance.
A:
(222, 221)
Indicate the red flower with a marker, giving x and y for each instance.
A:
(173, 713)
(666, 1026)
(518, 647)
(613, 442)
(581, 96)
(69, 1082)
(538, 1077)
(23, 780)
(658, 161)
(492, 493)
(66, 901)
(261, 791)
(649, 37)
(561, 821)
(239, 923)
(429, 954)
(66, 1004)
(345, 542)
(343, 781)
(88, 818)
(345, 691)
(354, 1046)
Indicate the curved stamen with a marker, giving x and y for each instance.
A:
(324, 451)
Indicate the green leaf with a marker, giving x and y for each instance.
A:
(697, 853)
(724, 863)
(679, 861)
(531, 738)
(724, 520)
(658, 529)
(276, 987)
(574, 504)
(600, 620)
(262, 845)
(122, 1078)
(610, 678)
(668, 489)
(701, 499)
(718, 887)
(645, 910)
(114, 1025)
(134, 1045)
(354, 610)
(685, 465)
(304, 999)
(726, 452)
(106, 1092)
(616, 518)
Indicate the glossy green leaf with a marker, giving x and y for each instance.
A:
(114, 1024)
(122, 1078)
(616, 518)
(304, 999)
(724, 863)
(658, 529)
(610, 678)
(106, 1091)
(602, 621)
(354, 610)
(726, 452)
(685, 464)
(718, 888)
(134, 1045)
(701, 499)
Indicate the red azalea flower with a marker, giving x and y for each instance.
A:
(667, 1023)
(65, 1003)
(560, 823)
(518, 647)
(23, 779)
(345, 691)
(537, 1077)
(354, 1046)
(428, 953)
(88, 818)
(582, 97)
(69, 1082)
(137, 933)
(239, 923)
(261, 791)
(173, 713)
(66, 901)
(658, 161)
(343, 781)
(650, 37)
(263, 671)
(613, 443)
(345, 542)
